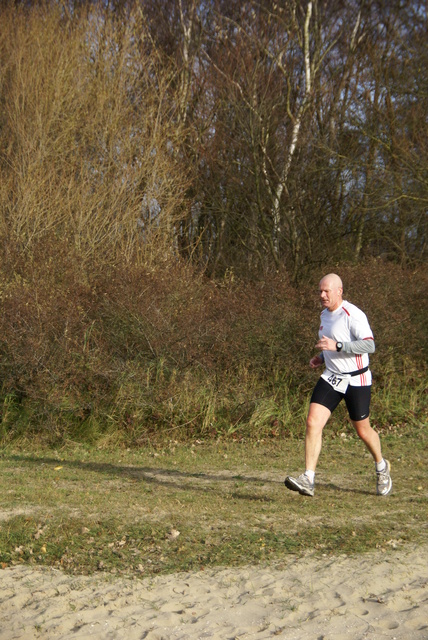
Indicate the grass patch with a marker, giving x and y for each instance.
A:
(188, 507)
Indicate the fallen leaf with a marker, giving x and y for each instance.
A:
(173, 534)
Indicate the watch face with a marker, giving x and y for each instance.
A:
(339, 345)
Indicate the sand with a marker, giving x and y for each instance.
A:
(379, 595)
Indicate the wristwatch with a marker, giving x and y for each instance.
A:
(339, 346)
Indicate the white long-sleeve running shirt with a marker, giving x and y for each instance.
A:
(349, 325)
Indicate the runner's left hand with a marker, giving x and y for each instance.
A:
(326, 344)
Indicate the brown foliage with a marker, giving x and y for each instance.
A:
(89, 149)
(76, 340)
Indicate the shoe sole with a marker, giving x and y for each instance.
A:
(295, 487)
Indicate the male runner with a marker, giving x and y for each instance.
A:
(345, 341)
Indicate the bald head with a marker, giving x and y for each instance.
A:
(331, 291)
(333, 280)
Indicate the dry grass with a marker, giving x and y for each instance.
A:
(192, 506)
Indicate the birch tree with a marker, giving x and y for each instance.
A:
(281, 57)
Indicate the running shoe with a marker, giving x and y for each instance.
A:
(384, 482)
(302, 484)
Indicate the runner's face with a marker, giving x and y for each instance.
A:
(331, 295)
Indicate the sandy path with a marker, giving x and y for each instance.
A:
(380, 595)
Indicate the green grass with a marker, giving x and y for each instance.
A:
(86, 509)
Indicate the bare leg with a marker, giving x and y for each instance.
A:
(315, 423)
(370, 437)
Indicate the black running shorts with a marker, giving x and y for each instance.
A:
(357, 399)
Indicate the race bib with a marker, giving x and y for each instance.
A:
(338, 381)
